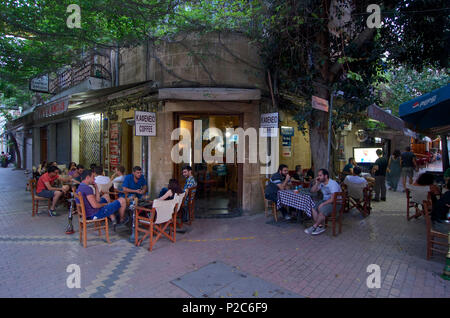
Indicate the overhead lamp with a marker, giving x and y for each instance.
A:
(89, 116)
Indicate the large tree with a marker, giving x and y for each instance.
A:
(319, 47)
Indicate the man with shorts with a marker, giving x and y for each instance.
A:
(45, 188)
(408, 163)
(95, 206)
(135, 184)
(324, 207)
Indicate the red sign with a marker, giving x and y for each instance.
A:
(320, 103)
(114, 146)
(51, 109)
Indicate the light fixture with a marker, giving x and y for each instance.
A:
(89, 116)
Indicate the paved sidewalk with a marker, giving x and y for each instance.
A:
(36, 252)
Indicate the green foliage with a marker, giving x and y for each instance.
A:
(404, 84)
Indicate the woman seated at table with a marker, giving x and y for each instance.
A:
(172, 189)
(72, 169)
(298, 175)
(118, 177)
(420, 188)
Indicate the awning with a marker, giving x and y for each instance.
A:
(429, 110)
(377, 113)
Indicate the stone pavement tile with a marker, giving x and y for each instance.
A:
(323, 266)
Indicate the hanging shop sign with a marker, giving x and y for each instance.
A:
(40, 84)
(145, 123)
(319, 103)
(114, 146)
(269, 125)
(52, 109)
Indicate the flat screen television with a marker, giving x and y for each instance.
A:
(365, 154)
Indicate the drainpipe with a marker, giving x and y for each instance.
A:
(117, 64)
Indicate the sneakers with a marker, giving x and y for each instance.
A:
(52, 213)
(318, 230)
(315, 230)
(309, 230)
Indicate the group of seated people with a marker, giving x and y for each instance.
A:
(94, 187)
(424, 185)
(281, 180)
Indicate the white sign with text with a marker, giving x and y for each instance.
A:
(145, 123)
(269, 123)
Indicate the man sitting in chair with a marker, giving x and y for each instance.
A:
(355, 177)
(97, 207)
(324, 207)
(135, 184)
(278, 181)
(45, 187)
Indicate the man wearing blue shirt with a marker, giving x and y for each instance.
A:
(135, 183)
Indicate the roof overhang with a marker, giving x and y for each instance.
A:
(209, 94)
(429, 111)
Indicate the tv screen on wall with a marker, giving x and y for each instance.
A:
(365, 154)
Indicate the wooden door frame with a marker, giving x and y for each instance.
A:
(176, 124)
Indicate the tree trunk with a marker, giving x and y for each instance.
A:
(318, 130)
(16, 149)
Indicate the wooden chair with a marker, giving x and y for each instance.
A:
(336, 215)
(191, 203)
(99, 224)
(415, 196)
(179, 216)
(432, 235)
(267, 203)
(35, 199)
(156, 221)
(358, 196)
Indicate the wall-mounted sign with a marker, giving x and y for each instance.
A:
(320, 103)
(287, 131)
(40, 84)
(287, 151)
(114, 146)
(52, 109)
(145, 123)
(269, 123)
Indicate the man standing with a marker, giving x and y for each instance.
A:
(46, 189)
(379, 171)
(135, 183)
(96, 207)
(278, 181)
(324, 207)
(190, 182)
(408, 163)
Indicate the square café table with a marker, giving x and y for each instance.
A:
(300, 201)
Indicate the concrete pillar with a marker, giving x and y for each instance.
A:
(36, 147)
(51, 142)
(75, 132)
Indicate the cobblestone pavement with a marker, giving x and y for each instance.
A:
(35, 254)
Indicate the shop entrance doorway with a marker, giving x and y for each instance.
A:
(219, 184)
